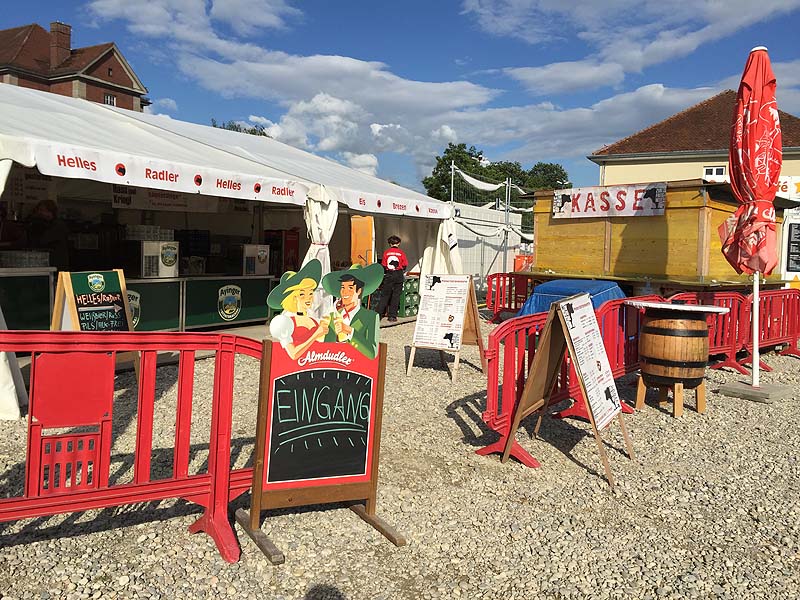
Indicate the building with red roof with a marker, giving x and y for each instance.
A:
(34, 58)
(691, 144)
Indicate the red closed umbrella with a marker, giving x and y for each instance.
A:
(755, 158)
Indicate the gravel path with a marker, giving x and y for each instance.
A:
(709, 509)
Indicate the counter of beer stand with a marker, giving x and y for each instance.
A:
(180, 303)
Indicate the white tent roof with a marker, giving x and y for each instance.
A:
(354, 188)
(68, 137)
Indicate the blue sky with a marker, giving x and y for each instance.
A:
(384, 87)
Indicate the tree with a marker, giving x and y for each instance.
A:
(238, 127)
(468, 159)
(546, 176)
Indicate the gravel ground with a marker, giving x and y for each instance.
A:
(708, 510)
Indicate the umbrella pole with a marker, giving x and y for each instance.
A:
(756, 340)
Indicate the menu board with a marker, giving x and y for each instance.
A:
(440, 321)
(591, 360)
(91, 301)
(793, 249)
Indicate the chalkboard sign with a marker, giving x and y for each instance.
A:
(320, 425)
(91, 301)
(317, 435)
(320, 417)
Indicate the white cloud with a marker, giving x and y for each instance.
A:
(246, 17)
(355, 109)
(620, 36)
(167, 104)
(567, 76)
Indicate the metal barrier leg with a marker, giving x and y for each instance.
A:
(216, 524)
(517, 452)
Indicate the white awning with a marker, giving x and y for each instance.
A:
(358, 190)
(73, 138)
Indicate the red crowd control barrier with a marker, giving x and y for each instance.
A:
(725, 331)
(72, 386)
(778, 322)
(507, 292)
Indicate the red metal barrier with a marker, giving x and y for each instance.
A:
(507, 292)
(64, 483)
(778, 322)
(725, 331)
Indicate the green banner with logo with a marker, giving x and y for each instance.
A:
(225, 300)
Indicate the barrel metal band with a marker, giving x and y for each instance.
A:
(675, 332)
(661, 362)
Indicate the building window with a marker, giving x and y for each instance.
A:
(110, 99)
(715, 173)
(110, 72)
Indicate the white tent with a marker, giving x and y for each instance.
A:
(67, 137)
(79, 140)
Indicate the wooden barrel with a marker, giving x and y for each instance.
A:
(673, 347)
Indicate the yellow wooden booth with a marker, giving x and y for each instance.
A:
(679, 250)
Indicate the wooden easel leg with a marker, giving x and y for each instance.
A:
(410, 361)
(455, 365)
(641, 392)
(603, 456)
(628, 443)
(700, 397)
(270, 550)
(677, 400)
(516, 451)
(389, 532)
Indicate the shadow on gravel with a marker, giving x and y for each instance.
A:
(466, 414)
(106, 520)
(324, 592)
(110, 518)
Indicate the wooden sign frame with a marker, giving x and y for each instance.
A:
(261, 499)
(536, 397)
(470, 336)
(65, 298)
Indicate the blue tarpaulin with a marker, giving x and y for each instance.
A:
(546, 293)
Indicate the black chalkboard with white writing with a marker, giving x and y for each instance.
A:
(320, 425)
(91, 301)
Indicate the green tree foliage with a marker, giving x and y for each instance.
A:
(238, 127)
(467, 159)
(546, 176)
(542, 176)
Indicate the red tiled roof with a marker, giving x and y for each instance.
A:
(80, 58)
(702, 127)
(28, 47)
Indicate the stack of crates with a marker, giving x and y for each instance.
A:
(409, 299)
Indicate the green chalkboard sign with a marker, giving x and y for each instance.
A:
(91, 301)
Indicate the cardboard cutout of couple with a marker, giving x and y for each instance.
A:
(349, 323)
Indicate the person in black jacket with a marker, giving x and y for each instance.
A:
(394, 263)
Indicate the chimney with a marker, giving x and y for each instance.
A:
(60, 43)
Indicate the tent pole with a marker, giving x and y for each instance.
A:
(756, 338)
(452, 179)
(505, 232)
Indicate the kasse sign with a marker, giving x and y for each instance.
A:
(642, 200)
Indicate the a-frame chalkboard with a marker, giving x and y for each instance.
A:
(318, 435)
(91, 301)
